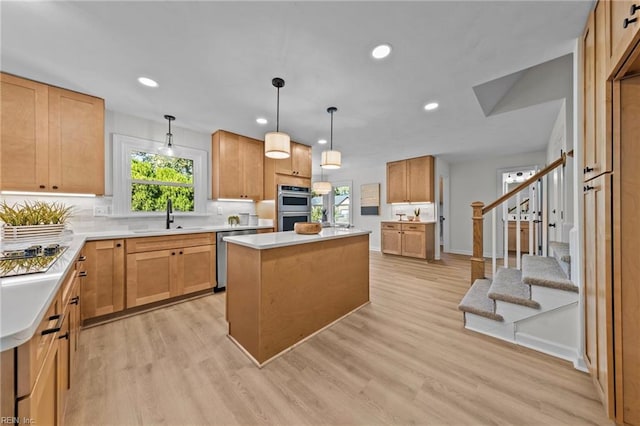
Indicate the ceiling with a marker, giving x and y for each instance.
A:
(214, 62)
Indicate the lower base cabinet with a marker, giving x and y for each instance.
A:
(160, 268)
(44, 405)
(408, 239)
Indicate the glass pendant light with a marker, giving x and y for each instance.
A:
(322, 187)
(277, 144)
(167, 149)
(331, 159)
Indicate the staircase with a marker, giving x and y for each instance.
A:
(535, 303)
(536, 306)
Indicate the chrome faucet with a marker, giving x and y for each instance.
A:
(169, 213)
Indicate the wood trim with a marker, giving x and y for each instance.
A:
(477, 259)
(145, 244)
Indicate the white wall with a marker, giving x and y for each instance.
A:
(476, 181)
(364, 174)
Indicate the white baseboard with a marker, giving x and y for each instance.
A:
(579, 364)
(373, 248)
(546, 346)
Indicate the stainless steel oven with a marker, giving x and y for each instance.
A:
(294, 198)
(294, 205)
(286, 220)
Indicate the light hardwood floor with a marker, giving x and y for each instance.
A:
(403, 359)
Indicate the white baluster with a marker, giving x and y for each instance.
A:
(505, 215)
(493, 242)
(518, 212)
(531, 210)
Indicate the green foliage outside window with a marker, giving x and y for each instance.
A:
(157, 169)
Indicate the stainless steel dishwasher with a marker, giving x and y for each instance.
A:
(221, 256)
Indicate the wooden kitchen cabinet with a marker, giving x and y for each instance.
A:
(596, 96)
(298, 163)
(411, 239)
(597, 286)
(622, 38)
(237, 166)
(55, 141)
(513, 235)
(411, 180)
(103, 287)
(160, 268)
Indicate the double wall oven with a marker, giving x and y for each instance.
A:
(294, 205)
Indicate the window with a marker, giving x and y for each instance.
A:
(145, 178)
(337, 201)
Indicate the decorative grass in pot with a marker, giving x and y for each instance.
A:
(32, 220)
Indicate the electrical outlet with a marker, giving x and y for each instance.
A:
(219, 210)
(100, 210)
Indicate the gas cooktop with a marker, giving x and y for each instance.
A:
(31, 260)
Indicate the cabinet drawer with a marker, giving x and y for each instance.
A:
(31, 355)
(414, 227)
(391, 226)
(135, 245)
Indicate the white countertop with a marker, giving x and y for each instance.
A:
(290, 238)
(25, 299)
(410, 222)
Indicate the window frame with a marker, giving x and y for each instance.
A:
(122, 182)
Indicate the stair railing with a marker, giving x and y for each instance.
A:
(534, 218)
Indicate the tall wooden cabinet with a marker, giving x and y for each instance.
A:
(103, 287)
(52, 138)
(237, 166)
(611, 141)
(411, 180)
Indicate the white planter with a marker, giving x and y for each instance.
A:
(32, 234)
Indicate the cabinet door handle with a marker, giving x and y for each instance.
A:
(82, 258)
(180, 252)
(628, 22)
(64, 336)
(74, 300)
(56, 186)
(56, 327)
(551, 225)
(173, 253)
(588, 188)
(587, 169)
(82, 274)
(42, 187)
(634, 9)
(119, 245)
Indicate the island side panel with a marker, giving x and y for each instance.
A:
(307, 286)
(243, 296)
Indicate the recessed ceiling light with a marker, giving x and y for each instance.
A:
(322, 141)
(431, 106)
(261, 120)
(145, 81)
(381, 51)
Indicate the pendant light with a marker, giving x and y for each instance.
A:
(322, 187)
(277, 144)
(331, 159)
(168, 144)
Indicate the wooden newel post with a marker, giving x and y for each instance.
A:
(477, 259)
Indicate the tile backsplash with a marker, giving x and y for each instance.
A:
(88, 213)
(427, 211)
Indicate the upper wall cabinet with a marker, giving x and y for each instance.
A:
(238, 166)
(298, 164)
(623, 27)
(52, 139)
(410, 180)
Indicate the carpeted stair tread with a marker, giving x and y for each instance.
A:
(507, 286)
(545, 272)
(561, 251)
(477, 302)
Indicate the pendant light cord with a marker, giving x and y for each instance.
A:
(331, 131)
(278, 112)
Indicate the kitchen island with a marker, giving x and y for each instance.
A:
(284, 287)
